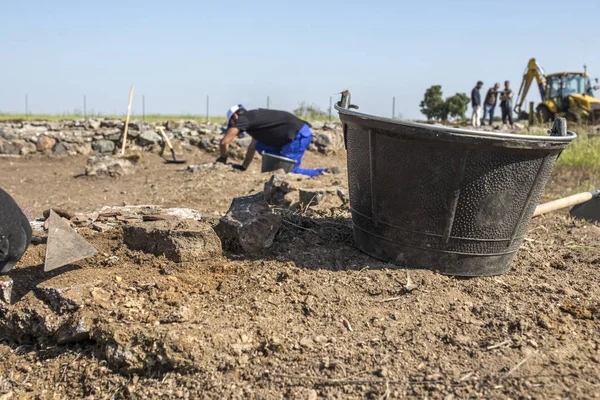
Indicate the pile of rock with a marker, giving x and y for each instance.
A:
(72, 137)
(293, 190)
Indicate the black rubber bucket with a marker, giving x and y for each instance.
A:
(271, 162)
(451, 200)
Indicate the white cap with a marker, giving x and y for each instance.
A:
(232, 110)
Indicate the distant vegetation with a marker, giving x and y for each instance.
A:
(436, 108)
(311, 112)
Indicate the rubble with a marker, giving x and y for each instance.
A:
(104, 146)
(74, 331)
(282, 189)
(209, 167)
(178, 240)
(105, 165)
(6, 286)
(45, 143)
(315, 196)
(103, 136)
(249, 226)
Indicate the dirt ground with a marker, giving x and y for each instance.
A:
(313, 318)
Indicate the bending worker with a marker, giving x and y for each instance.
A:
(273, 132)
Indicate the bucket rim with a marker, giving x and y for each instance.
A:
(463, 132)
(279, 157)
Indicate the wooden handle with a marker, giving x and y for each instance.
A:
(164, 135)
(562, 203)
(127, 121)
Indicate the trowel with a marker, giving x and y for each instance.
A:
(586, 206)
(161, 129)
(65, 246)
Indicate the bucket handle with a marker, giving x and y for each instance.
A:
(345, 102)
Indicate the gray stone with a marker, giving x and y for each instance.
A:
(178, 240)
(148, 138)
(343, 195)
(104, 146)
(54, 126)
(243, 142)
(93, 125)
(174, 125)
(314, 196)
(59, 148)
(279, 188)
(12, 147)
(45, 143)
(135, 126)
(63, 299)
(204, 143)
(75, 329)
(112, 123)
(28, 148)
(104, 165)
(317, 125)
(84, 149)
(6, 287)
(249, 226)
(329, 141)
(211, 166)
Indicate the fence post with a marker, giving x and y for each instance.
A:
(207, 102)
(531, 115)
(394, 107)
(330, 107)
(84, 108)
(268, 102)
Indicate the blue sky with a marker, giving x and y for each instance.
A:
(177, 52)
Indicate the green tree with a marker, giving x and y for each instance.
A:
(457, 106)
(433, 105)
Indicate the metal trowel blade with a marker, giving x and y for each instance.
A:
(590, 210)
(64, 246)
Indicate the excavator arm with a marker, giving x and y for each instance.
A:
(533, 71)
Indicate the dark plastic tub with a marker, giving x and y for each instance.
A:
(451, 200)
(272, 162)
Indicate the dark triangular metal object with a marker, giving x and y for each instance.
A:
(590, 210)
(65, 246)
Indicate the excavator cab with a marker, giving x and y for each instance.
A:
(560, 86)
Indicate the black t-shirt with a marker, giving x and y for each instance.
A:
(270, 127)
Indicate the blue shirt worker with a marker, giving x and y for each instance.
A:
(273, 132)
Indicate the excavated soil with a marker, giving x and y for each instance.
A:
(311, 318)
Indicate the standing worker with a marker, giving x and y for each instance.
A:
(489, 105)
(273, 132)
(506, 104)
(476, 104)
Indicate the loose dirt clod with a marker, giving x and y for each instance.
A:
(178, 240)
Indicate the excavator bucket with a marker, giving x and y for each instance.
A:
(64, 246)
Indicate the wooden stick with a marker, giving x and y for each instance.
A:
(563, 203)
(164, 135)
(127, 121)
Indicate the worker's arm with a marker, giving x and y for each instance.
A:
(224, 145)
(249, 154)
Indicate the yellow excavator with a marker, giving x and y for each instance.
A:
(564, 94)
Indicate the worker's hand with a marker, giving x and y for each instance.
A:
(239, 167)
(222, 160)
